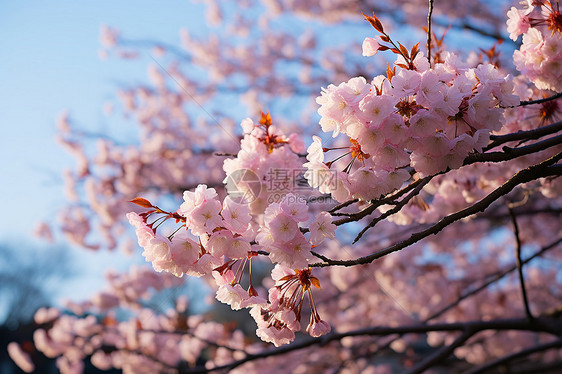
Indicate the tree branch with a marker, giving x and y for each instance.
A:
(540, 101)
(524, 135)
(519, 263)
(342, 205)
(537, 171)
(429, 31)
(494, 279)
(522, 353)
(540, 324)
(352, 217)
(394, 210)
(510, 153)
(442, 353)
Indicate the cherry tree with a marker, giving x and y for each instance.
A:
(423, 234)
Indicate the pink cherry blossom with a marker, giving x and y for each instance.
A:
(236, 216)
(318, 328)
(322, 228)
(20, 357)
(517, 23)
(370, 47)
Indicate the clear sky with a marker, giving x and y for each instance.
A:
(49, 63)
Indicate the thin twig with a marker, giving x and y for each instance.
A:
(394, 210)
(494, 279)
(524, 135)
(342, 205)
(539, 101)
(540, 324)
(519, 262)
(510, 153)
(429, 31)
(386, 200)
(442, 353)
(524, 352)
(551, 313)
(534, 172)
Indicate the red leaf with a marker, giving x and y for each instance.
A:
(385, 38)
(415, 50)
(142, 202)
(383, 47)
(389, 72)
(374, 21)
(315, 282)
(252, 291)
(404, 50)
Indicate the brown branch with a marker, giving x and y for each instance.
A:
(524, 135)
(467, 26)
(510, 153)
(494, 279)
(525, 212)
(442, 353)
(537, 171)
(539, 101)
(550, 313)
(386, 200)
(394, 210)
(540, 324)
(522, 353)
(519, 263)
(342, 205)
(430, 12)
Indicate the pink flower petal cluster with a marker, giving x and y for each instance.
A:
(429, 119)
(539, 58)
(281, 235)
(231, 293)
(278, 320)
(179, 255)
(201, 210)
(517, 22)
(222, 231)
(370, 47)
(270, 158)
(322, 228)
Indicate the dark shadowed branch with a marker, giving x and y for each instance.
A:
(519, 263)
(541, 170)
(540, 324)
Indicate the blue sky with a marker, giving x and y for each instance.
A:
(50, 64)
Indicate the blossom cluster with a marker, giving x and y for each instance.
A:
(264, 152)
(148, 343)
(221, 239)
(220, 229)
(280, 318)
(540, 55)
(427, 118)
(281, 236)
(421, 119)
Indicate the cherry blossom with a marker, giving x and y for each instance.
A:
(444, 170)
